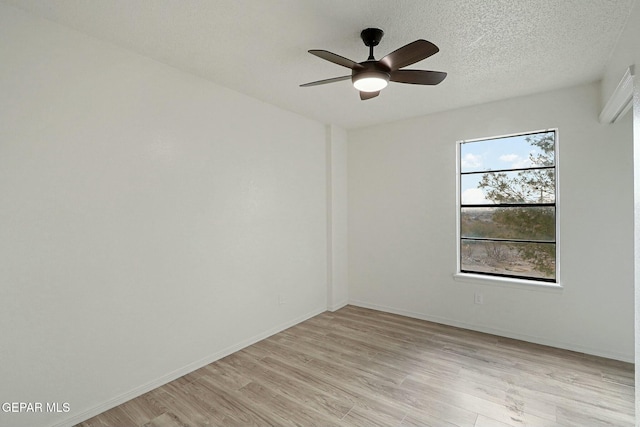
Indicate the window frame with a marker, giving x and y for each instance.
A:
(503, 279)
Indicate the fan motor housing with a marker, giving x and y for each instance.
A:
(371, 36)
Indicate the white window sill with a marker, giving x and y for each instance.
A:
(481, 279)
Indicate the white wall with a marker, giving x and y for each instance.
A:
(149, 220)
(627, 53)
(636, 216)
(338, 292)
(402, 224)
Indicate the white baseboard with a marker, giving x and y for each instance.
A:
(500, 332)
(339, 305)
(138, 391)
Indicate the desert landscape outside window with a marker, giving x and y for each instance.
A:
(508, 206)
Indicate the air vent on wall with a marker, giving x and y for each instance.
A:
(621, 99)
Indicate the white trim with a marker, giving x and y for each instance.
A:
(499, 332)
(458, 203)
(507, 282)
(508, 135)
(339, 305)
(556, 160)
(620, 100)
(144, 388)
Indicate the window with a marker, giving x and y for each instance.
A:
(508, 206)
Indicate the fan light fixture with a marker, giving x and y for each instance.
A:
(371, 76)
(370, 82)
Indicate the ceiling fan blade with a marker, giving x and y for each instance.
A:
(324, 82)
(409, 54)
(336, 59)
(368, 95)
(418, 77)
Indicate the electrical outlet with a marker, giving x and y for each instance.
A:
(478, 298)
(281, 299)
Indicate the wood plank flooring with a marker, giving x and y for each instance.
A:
(360, 367)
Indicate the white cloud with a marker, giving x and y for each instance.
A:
(522, 163)
(471, 160)
(473, 196)
(516, 161)
(509, 157)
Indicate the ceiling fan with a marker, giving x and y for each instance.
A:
(371, 76)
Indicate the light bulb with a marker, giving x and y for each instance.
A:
(370, 84)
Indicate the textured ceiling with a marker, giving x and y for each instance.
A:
(492, 49)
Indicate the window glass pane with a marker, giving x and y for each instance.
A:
(524, 223)
(514, 152)
(504, 228)
(527, 260)
(528, 186)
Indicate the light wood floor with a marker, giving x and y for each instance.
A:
(359, 367)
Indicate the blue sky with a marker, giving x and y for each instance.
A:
(491, 154)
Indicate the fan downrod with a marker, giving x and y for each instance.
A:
(371, 37)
